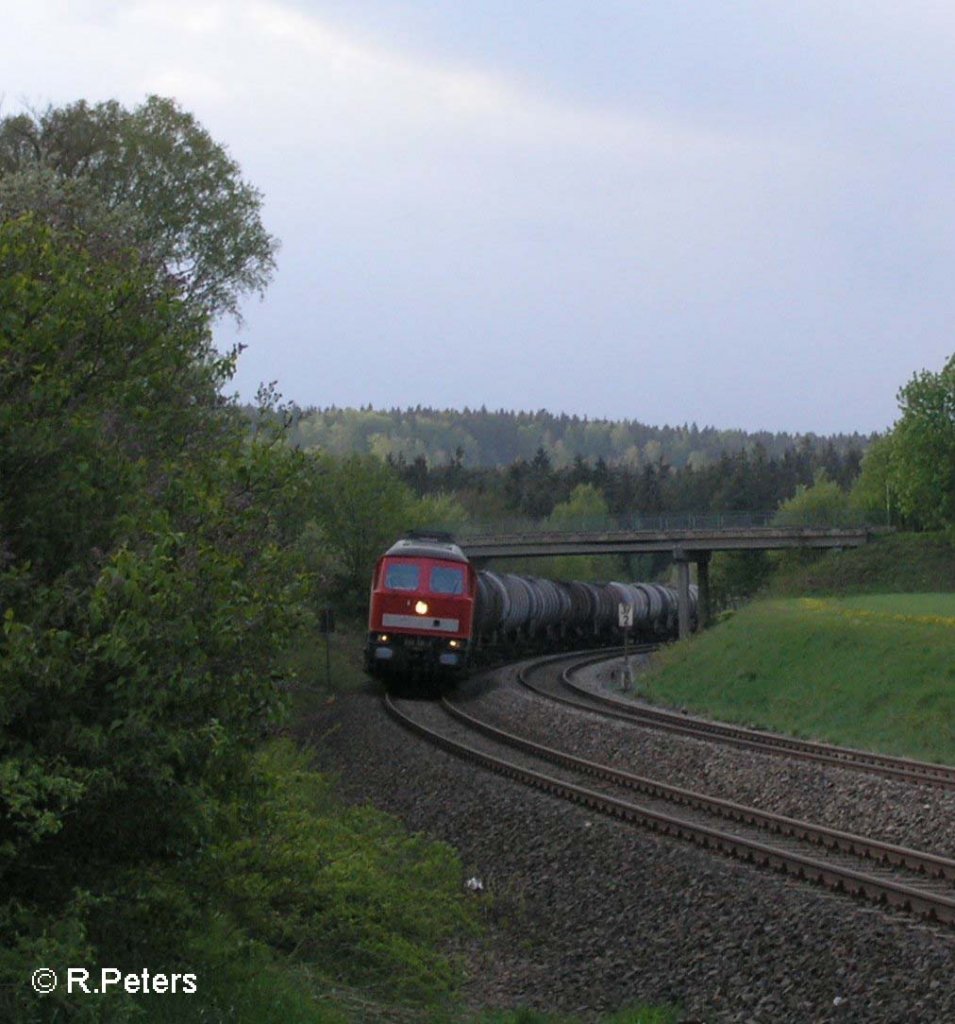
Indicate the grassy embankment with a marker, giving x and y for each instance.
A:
(865, 657)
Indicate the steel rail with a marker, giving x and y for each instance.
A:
(932, 906)
(885, 765)
(927, 864)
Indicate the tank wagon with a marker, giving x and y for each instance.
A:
(432, 615)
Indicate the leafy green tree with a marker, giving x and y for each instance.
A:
(362, 507)
(922, 459)
(825, 503)
(438, 511)
(160, 175)
(585, 509)
(873, 495)
(148, 578)
(103, 373)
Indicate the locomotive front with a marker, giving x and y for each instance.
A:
(421, 612)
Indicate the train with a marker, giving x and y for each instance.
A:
(432, 615)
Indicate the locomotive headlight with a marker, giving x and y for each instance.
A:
(421, 607)
(452, 643)
(383, 639)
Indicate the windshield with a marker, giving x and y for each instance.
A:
(402, 577)
(447, 580)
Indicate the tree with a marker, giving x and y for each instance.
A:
(440, 511)
(738, 575)
(873, 494)
(922, 461)
(103, 373)
(147, 584)
(823, 504)
(362, 507)
(585, 509)
(161, 175)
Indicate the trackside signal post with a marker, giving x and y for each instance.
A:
(625, 619)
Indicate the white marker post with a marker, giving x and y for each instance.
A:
(625, 619)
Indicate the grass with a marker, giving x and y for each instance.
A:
(875, 671)
(900, 563)
(325, 666)
(919, 606)
(309, 911)
(258, 987)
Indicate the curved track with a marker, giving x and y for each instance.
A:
(903, 769)
(888, 874)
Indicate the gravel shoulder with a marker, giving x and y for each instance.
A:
(586, 914)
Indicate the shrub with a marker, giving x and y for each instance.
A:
(344, 889)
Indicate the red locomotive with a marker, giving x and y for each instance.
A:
(432, 614)
(421, 612)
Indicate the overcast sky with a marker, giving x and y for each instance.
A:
(735, 213)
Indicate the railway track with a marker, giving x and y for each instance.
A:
(900, 768)
(887, 874)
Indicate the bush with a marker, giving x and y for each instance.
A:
(343, 889)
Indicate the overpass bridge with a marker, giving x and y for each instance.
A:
(688, 540)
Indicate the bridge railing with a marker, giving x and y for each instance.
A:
(663, 522)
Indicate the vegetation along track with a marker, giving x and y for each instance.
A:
(921, 883)
(900, 768)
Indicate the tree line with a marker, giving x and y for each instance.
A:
(483, 438)
(748, 480)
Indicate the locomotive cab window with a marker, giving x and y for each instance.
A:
(402, 577)
(447, 580)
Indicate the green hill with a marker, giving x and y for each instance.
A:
(874, 672)
(864, 656)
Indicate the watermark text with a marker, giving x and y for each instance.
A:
(80, 980)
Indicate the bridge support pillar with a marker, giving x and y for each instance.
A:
(703, 582)
(683, 591)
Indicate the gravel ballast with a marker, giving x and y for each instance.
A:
(589, 915)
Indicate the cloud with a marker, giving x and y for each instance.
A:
(399, 130)
(202, 89)
(330, 84)
(273, 79)
(704, 209)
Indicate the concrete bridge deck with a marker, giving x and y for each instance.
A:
(684, 543)
(690, 542)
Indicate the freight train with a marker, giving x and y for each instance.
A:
(432, 615)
